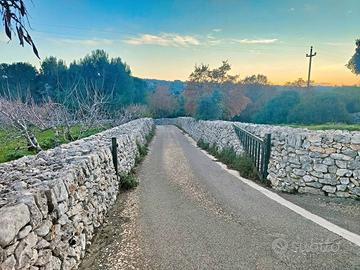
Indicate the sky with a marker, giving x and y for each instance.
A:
(164, 39)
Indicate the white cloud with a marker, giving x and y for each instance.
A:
(164, 39)
(292, 9)
(256, 41)
(338, 44)
(217, 29)
(87, 42)
(177, 40)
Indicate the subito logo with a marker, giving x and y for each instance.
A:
(279, 246)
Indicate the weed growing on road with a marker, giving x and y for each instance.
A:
(228, 156)
(129, 181)
(143, 149)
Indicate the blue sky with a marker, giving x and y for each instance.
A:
(165, 39)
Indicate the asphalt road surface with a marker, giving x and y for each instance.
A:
(190, 213)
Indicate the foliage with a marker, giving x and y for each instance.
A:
(228, 156)
(162, 103)
(95, 73)
(14, 16)
(317, 108)
(277, 109)
(213, 93)
(297, 83)
(210, 107)
(350, 96)
(18, 80)
(14, 146)
(258, 96)
(234, 99)
(150, 135)
(328, 126)
(129, 181)
(354, 62)
(256, 79)
(203, 74)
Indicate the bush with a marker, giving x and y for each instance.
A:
(243, 164)
(210, 107)
(129, 181)
(277, 109)
(320, 108)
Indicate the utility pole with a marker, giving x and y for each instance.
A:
(311, 55)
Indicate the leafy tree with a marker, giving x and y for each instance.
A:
(354, 62)
(350, 96)
(17, 80)
(319, 108)
(202, 84)
(277, 109)
(210, 107)
(95, 75)
(256, 79)
(162, 103)
(234, 100)
(14, 14)
(203, 74)
(140, 91)
(297, 83)
(53, 79)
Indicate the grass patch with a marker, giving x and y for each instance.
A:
(130, 181)
(14, 146)
(327, 126)
(228, 156)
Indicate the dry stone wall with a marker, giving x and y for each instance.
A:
(219, 133)
(302, 160)
(51, 203)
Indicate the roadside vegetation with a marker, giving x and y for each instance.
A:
(130, 181)
(14, 146)
(228, 156)
(328, 126)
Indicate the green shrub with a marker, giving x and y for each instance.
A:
(128, 181)
(16, 154)
(319, 108)
(143, 149)
(150, 135)
(242, 163)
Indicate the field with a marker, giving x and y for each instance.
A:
(327, 126)
(13, 145)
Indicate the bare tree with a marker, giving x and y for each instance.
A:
(90, 104)
(14, 18)
(22, 116)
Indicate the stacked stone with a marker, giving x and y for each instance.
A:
(308, 161)
(302, 160)
(217, 133)
(51, 203)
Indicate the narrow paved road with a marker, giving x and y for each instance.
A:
(192, 214)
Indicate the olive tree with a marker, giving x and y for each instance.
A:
(14, 18)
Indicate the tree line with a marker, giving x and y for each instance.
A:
(98, 89)
(211, 94)
(89, 93)
(96, 73)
